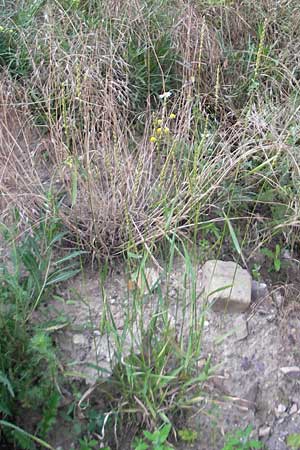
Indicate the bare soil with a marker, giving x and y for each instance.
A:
(248, 387)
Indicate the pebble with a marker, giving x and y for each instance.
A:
(264, 432)
(173, 293)
(259, 290)
(271, 317)
(278, 298)
(294, 408)
(292, 372)
(79, 339)
(241, 328)
(281, 409)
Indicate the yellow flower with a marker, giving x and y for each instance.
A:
(158, 130)
(153, 139)
(69, 161)
(5, 30)
(158, 121)
(172, 116)
(166, 130)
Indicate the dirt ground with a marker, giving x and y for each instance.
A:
(250, 386)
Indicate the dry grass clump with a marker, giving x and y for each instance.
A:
(128, 167)
(20, 143)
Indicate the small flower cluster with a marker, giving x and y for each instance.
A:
(5, 30)
(160, 129)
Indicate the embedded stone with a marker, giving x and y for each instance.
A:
(292, 372)
(264, 432)
(241, 328)
(226, 286)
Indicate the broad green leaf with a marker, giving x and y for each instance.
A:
(70, 256)
(62, 276)
(164, 432)
(277, 265)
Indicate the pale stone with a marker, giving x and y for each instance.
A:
(148, 280)
(241, 328)
(259, 291)
(293, 371)
(294, 409)
(281, 409)
(79, 339)
(264, 432)
(227, 287)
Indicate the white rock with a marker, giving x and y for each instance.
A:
(79, 339)
(294, 409)
(227, 287)
(281, 409)
(264, 432)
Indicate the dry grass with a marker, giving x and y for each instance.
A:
(118, 189)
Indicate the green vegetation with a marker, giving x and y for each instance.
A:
(29, 368)
(293, 441)
(157, 439)
(138, 132)
(241, 440)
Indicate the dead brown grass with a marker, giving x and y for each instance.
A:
(115, 187)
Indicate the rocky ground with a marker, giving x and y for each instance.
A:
(258, 378)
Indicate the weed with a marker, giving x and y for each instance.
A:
(256, 272)
(274, 257)
(188, 435)
(155, 440)
(89, 444)
(152, 69)
(158, 123)
(29, 367)
(293, 441)
(241, 440)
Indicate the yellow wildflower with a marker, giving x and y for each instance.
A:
(69, 161)
(158, 130)
(153, 139)
(166, 130)
(172, 116)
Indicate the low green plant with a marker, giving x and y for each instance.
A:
(89, 444)
(293, 441)
(256, 271)
(241, 440)
(29, 368)
(157, 440)
(152, 69)
(274, 257)
(155, 370)
(188, 435)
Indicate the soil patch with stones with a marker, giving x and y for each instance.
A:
(257, 381)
